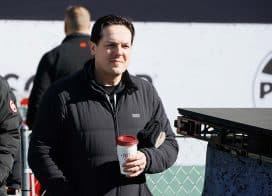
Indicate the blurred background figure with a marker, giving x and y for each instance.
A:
(63, 60)
(10, 121)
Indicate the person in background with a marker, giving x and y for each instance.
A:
(14, 180)
(10, 122)
(68, 57)
(73, 146)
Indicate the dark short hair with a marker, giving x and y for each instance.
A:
(108, 20)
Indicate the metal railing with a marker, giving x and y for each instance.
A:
(28, 180)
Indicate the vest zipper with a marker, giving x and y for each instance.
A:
(112, 101)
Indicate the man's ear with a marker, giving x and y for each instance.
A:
(92, 48)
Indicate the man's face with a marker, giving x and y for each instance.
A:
(112, 53)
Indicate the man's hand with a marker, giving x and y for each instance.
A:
(135, 164)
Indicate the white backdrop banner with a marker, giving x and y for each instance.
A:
(190, 64)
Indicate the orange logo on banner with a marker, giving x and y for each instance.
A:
(83, 44)
(12, 106)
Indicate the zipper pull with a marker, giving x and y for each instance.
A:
(115, 102)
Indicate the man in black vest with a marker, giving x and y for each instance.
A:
(73, 149)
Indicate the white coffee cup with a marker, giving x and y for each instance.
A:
(126, 147)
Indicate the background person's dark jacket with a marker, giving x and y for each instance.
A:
(9, 132)
(63, 60)
(73, 146)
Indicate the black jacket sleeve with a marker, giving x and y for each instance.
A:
(42, 81)
(44, 145)
(10, 121)
(159, 159)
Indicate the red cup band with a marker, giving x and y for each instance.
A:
(126, 140)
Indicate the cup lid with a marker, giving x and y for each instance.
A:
(126, 140)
